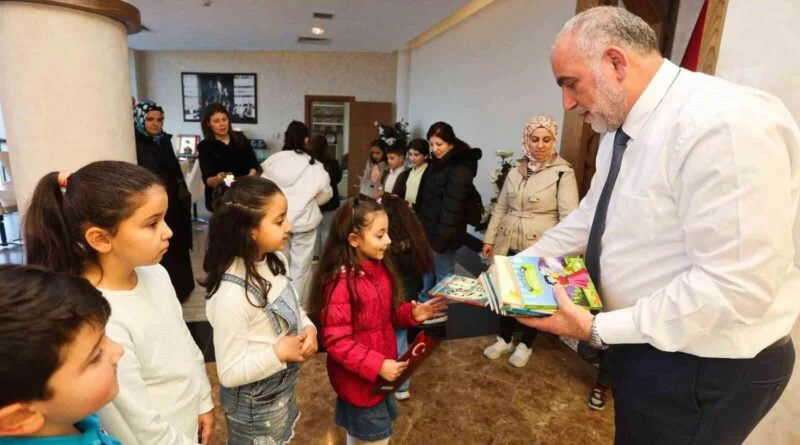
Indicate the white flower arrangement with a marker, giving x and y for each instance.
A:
(497, 177)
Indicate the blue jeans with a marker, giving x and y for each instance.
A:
(444, 264)
(402, 346)
(428, 280)
(265, 410)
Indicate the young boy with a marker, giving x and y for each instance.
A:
(57, 367)
(396, 164)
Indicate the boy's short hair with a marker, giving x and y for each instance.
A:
(41, 312)
(398, 149)
(420, 145)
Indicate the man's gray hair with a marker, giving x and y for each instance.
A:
(595, 29)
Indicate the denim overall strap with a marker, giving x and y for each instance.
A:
(284, 307)
(287, 307)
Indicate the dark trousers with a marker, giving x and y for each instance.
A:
(672, 398)
(178, 263)
(601, 357)
(507, 326)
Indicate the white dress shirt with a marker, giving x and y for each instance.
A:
(700, 252)
(391, 178)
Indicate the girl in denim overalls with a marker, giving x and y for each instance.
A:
(261, 334)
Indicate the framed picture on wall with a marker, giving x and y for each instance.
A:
(187, 144)
(235, 91)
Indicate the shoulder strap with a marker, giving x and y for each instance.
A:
(250, 288)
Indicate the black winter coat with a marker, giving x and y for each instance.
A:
(442, 206)
(160, 159)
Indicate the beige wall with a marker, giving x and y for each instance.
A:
(768, 62)
(284, 78)
(488, 75)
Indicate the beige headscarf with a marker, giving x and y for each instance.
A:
(546, 122)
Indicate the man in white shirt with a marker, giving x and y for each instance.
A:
(690, 230)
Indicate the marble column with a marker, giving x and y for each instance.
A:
(65, 85)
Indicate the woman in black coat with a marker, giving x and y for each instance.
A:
(448, 188)
(154, 151)
(223, 152)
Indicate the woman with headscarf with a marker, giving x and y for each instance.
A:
(154, 151)
(535, 197)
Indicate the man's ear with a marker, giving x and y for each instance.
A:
(98, 239)
(619, 60)
(18, 419)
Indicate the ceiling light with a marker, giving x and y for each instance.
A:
(317, 31)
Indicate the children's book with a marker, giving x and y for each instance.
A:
(419, 350)
(523, 286)
(460, 289)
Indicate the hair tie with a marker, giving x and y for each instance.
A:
(228, 180)
(62, 179)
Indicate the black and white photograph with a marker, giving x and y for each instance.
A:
(235, 91)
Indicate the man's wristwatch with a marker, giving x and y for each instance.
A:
(594, 337)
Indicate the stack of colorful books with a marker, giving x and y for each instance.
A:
(523, 286)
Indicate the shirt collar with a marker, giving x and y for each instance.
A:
(650, 98)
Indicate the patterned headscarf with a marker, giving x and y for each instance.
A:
(546, 122)
(140, 110)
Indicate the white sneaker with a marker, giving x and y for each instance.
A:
(402, 395)
(436, 320)
(497, 349)
(520, 356)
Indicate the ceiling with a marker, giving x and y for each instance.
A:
(357, 25)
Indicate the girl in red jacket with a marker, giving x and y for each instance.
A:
(359, 301)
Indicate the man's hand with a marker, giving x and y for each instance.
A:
(570, 320)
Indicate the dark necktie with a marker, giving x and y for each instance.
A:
(593, 246)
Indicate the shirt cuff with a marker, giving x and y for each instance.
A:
(617, 327)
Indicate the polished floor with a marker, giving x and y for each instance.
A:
(460, 397)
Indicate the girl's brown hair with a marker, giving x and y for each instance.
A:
(407, 234)
(239, 209)
(340, 258)
(100, 194)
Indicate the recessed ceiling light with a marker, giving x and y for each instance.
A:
(317, 31)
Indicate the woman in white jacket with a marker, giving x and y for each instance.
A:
(306, 185)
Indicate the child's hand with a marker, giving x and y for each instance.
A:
(432, 308)
(289, 348)
(391, 369)
(206, 427)
(310, 343)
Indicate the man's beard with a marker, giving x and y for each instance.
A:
(608, 112)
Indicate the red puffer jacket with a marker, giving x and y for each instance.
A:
(357, 347)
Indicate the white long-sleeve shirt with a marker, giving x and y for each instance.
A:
(163, 385)
(701, 247)
(243, 335)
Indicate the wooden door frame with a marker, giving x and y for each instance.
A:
(318, 98)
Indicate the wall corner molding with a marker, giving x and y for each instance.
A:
(448, 22)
